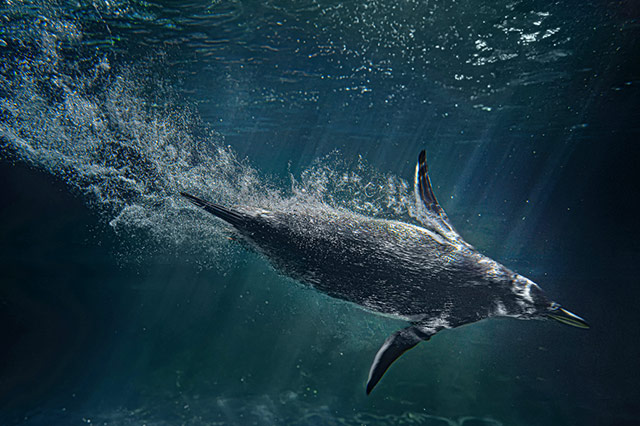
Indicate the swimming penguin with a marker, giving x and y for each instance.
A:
(428, 276)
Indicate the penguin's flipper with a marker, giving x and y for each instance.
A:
(430, 213)
(395, 345)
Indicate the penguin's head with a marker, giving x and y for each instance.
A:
(529, 296)
(536, 304)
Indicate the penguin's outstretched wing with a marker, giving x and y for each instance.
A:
(429, 211)
(395, 345)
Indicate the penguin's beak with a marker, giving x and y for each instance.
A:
(562, 315)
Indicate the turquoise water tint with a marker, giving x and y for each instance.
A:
(120, 304)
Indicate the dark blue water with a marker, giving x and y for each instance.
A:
(121, 305)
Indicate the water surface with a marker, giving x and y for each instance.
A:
(120, 304)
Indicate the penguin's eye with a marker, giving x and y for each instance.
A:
(554, 306)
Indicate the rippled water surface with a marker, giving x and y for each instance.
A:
(121, 304)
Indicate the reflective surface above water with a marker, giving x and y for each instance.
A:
(120, 305)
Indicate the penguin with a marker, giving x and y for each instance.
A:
(428, 275)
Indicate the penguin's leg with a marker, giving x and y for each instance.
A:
(395, 345)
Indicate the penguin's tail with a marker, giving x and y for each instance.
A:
(228, 215)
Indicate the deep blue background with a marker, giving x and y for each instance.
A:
(534, 158)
